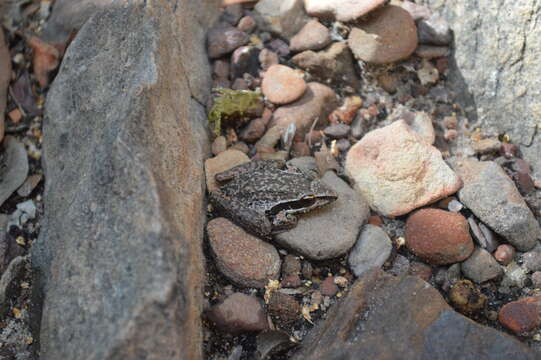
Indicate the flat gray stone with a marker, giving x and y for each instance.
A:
(371, 250)
(118, 263)
(284, 18)
(493, 197)
(481, 266)
(13, 167)
(388, 317)
(331, 231)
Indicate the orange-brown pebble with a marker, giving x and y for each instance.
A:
(522, 315)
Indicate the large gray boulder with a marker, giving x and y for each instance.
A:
(495, 68)
(388, 317)
(119, 264)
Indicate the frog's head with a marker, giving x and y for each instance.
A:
(322, 193)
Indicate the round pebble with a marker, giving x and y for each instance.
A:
(241, 257)
(389, 35)
(283, 85)
(522, 315)
(239, 313)
(504, 254)
(438, 236)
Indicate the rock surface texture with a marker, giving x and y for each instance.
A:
(505, 97)
(332, 230)
(119, 260)
(397, 171)
(493, 197)
(422, 326)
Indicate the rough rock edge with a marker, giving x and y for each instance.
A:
(174, 300)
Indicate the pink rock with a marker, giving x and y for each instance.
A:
(316, 104)
(417, 12)
(239, 313)
(224, 161)
(247, 24)
(504, 254)
(267, 58)
(341, 10)
(313, 36)
(282, 84)
(389, 35)
(397, 171)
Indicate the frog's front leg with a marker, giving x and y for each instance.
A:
(249, 219)
(283, 221)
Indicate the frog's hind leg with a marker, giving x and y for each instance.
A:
(249, 219)
(239, 169)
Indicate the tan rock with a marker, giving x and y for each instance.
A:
(222, 162)
(389, 35)
(332, 65)
(243, 258)
(397, 171)
(316, 104)
(341, 10)
(313, 36)
(282, 84)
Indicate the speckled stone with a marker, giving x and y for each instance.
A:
(241, 257)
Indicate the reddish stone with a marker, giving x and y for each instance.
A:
(291, 281)
(504, 254)
(328, 287)
(282, 84)
(438, 236)
(241, 257)
(253, 131)
(509, 150)
(375, 220)
(522, 315)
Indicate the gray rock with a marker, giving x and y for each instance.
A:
(532, 259)
(9, 287)
(69, 15)
(434, 31)
(331, 231)
(483, 237)
(387, 317)
(13, 167)
(481, 266)
(29, 185)
(118, 263)
(305, 164)
(284, 18)
(371, 250)
(504, 97)
(493, 197)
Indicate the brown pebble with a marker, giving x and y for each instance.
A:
(522, 315)
(300, 149)
(15, 115)
(239, 313)
(268, 58)
(244, 259)
(375, 220)
(509, 150)
(284, 307)
(247, 24)
(328, 287)
(504, 254)
(438, 236)
(291, 281)
(253, 131)
(219, 145)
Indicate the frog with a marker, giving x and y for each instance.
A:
(264, 197)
